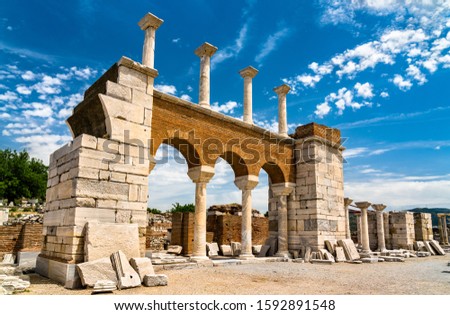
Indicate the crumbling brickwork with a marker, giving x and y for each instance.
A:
(20, 237)
(423, 226)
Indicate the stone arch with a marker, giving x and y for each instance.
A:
(184, 146)
(275, 173)
(236, 162)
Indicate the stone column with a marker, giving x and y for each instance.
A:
(282, 91)
(200, 175)
(364, 225)
(358, 227)
(205, 52)
(347, 202)
(248, 74)
(443, 232)
(281, 192)
(380, 227)
(149, 24)
(246, 184)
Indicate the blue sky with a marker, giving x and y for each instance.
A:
(377, 69)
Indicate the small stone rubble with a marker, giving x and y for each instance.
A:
(11, 278)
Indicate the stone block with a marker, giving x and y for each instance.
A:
(102, 239)
(213, 249)
(226, 250)
(236, 248)
(127, 277)
(174, 249)
(321, 261)
(436, 247)
(307, 255)
(143, 266)
(392, 259)
(429, 248)
(96, 270)
(423, 254)
(155, 280)
(118, 91)
(369, 260)
(349, 249)
(8, 259)
(330, 245)
(27, 260)
(104, 286)
(132, 78)
(339, 254)
(256, 249)
(264, 250)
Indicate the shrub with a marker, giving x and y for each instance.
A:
(176, 207)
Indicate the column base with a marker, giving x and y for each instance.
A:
(198, 258)
(63, 273)
(366, 251)
(246, 256)
(205, 106)
(283, 254)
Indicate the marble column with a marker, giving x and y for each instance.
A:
(200, 175)
(205, 52)
(358, 227)
(347, 202)
(282, 91)
(149, 24)
(443, 231)
(380, 226)
(248, 74)
(246, 184)
(364, 225)
(281, 191)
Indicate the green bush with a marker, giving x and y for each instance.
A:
(176, 207)
(154, 211)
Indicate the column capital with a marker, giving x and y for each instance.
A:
(363, 204)
(282, 189)
(201, 174)
(206, 49)
(282, 89)
(378, 207)
(150, 20)
(441, 215)
(248, 72)
(247, 182)
(347, 202)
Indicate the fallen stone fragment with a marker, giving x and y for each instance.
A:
(354, 262)
(226, 250)
(236, 248)
(92, 271)
(8, 259)
(104, 286)
(264, 250)
(429, 248)
(423, 254)
(298, 260)
(143, 266)
(256, 249)
(437, 248)
(213, 249)
(127, 277)
(174, 249)
(155, 280)
(340, 255)
(393, 259)
(307, 254)
(330, 246)
(320, 261)
(369, 260)
(349, 249)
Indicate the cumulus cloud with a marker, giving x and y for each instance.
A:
(28, 75)
(22, 89)
(226, 108)
(186, 97)
(364, 90)
(168, 89)
(322, 110)
(8, 96)
(402, 83)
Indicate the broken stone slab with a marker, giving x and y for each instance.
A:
(437, 248)
(174, 249)
(429, 248)
(380, 259)
(330, 246)
(392, 259)
(143, 266)
(320, 261)
(213, 249)
(349, 249)
(127, 277)
(256, 249)
(264, 250)
(236, 248)
(423, 254)
(273, 243)
(298, 260)
(7, 270)
(8, 259)
(307, 254)
(419, 245)
(155, 280)
(102, 239)
(369, 260)
(357, 261)
(340, 255)
(226, 250)
(104, 286)
(92, 271)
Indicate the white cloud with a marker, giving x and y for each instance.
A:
(39, 110)
(415, 73)
(5, 116)
(322, 110)
(231, 50)
(28, 75)
(9, 28)
(384, 94)
(186, 97)
(364, 90)
(168, 89)
(401, 83)
(24, 90)
(48, 85)
(355, 152)
(271, 43)
(41, 146)
(8, 96)
(226, 108)
(176, 40)
(345, 98)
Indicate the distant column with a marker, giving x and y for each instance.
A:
(380, 227)
(282, 91)
(149, 23)
(205, 52)
(364, 225)
(443, 231)
(248, 74)
(347, 202)
(358, 227)
(282, 191)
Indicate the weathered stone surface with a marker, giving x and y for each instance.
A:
(264, 250)
(104, 286)
(308, 254)
(419, 246)
(213, 249)
(93, 271)
(273, 243)
(8, 259)
(226, 250)
(369, 260)
(321, 261)
(298, 260)
(339, 254)
(143, 266)
(330, 245)
(127, 277)
(392, 259)
(174, 249)
(256, 249)
(423, 254)
(349, 249)
(155, 280)
(103, 239)
(437, 248)
(429, 248)
(236, 248)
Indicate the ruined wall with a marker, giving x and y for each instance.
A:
(423, 226)
(26, 237)
(401, 230)
(183, 231)
(373, 235)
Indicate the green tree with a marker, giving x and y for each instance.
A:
(176, 207)
(21, 176)
(154, 210)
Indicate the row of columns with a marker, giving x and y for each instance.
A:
(363, 226)
(443, 229)
(150, 23)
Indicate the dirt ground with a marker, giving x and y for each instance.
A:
(424, 276)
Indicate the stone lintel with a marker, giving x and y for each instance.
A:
(440, 215)
(248, 72)
(150, 20)
(247, 182)
(347, 202)
(201, 173)
(316, 130)
(378, 207)
(282, 89)
(363, 204)
(129, 63)
(206, 49)
(282, 189)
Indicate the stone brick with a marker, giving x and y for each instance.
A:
(132, 78)
(118, 91)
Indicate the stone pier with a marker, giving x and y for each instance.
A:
(380, 226)
(205, 52)
(248, 74)
(281, 192)
(364, 206)
(443, 229)
(347, 203)
(282, 91)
